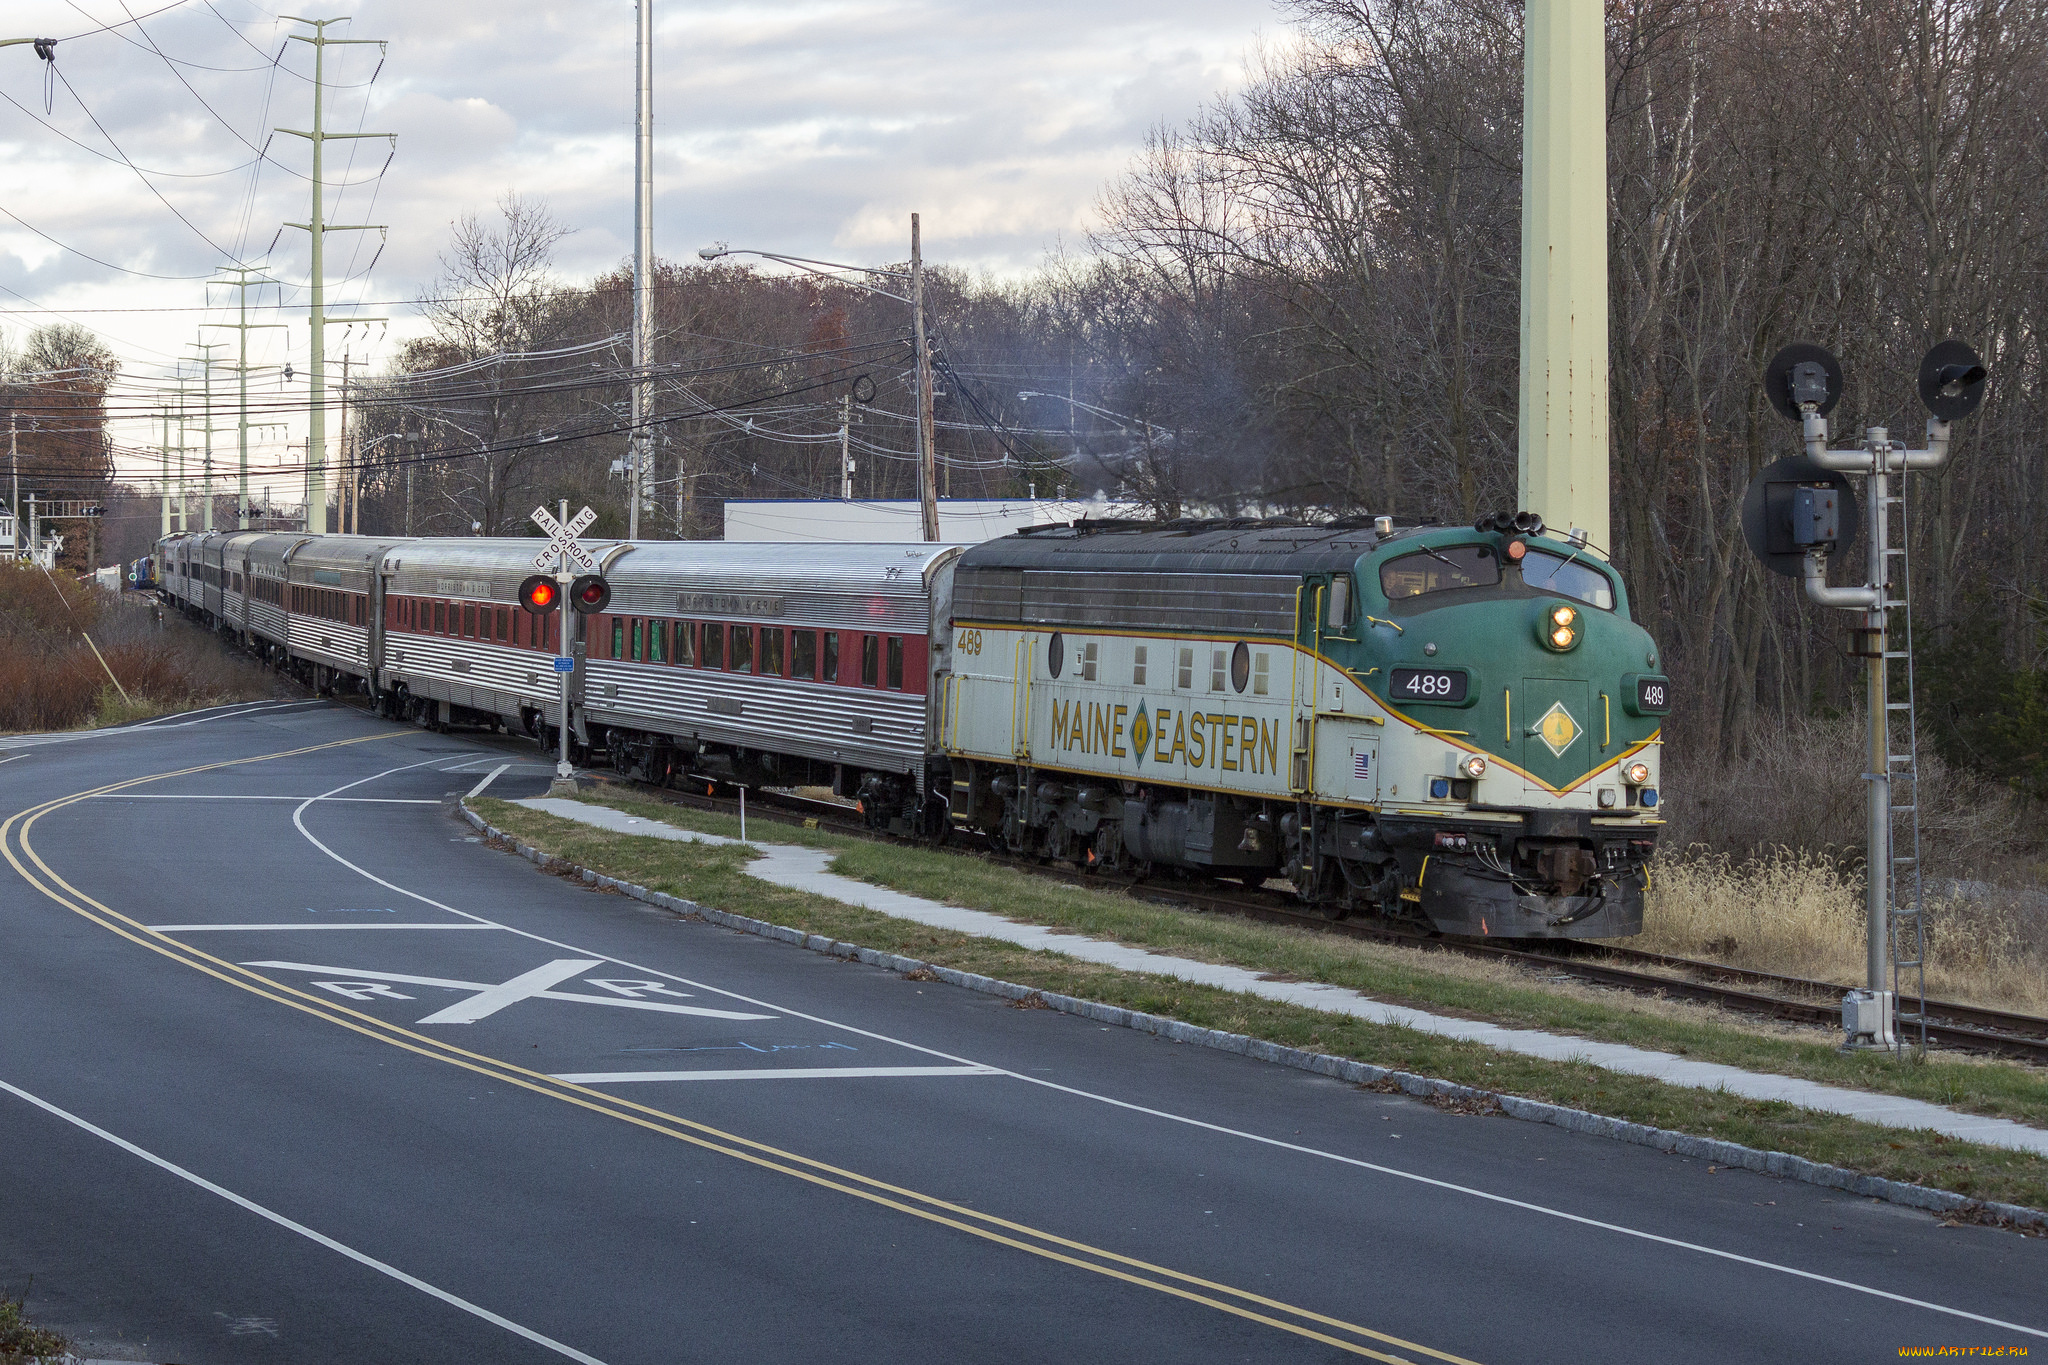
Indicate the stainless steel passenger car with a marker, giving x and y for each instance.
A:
(754, 663)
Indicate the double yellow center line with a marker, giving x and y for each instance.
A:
(21, 854)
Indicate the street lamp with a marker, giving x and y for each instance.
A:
(927, 462)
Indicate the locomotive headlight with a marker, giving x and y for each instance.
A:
(1472, 766)
(1637, 773)
(1559, 627)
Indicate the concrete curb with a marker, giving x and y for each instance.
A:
(1732, 1154)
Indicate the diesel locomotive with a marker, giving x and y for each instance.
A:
(1454, 727)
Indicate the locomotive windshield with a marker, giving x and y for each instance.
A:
(1547, 572)
(1453, 566)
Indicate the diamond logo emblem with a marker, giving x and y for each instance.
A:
(1557, 729)
(1141, 733)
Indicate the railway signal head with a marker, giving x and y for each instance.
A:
(1952, 378)
(590, 593)
(538, 594)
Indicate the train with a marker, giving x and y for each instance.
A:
(1454, 729)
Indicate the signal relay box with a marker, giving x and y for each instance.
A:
(1816, 516)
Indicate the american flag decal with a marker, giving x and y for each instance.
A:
(1361, 767)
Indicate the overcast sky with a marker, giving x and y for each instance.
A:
(807, 126)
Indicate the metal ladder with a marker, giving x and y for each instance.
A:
(1906, 918)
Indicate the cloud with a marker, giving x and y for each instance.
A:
(814, 127)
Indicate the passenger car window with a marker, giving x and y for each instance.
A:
(1567, 577)
(771, 651)
(657, 641)
(1138, 667)
(742, 657)
(1452, 566)
(714, 645)
(896, 661)
(870, 660)
(618, 637)
(803, 654)
(829, 669)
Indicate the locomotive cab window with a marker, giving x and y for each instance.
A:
(1452, 566)
(1338, 615)
(1567, 577)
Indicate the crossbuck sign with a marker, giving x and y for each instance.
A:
(562, 540)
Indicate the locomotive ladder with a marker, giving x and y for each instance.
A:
(1904, 889)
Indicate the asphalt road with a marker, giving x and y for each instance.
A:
(280, 1056)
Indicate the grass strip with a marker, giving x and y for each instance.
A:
(1439, 982)
(715, 875)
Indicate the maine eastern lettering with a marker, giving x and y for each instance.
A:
(1199, 739)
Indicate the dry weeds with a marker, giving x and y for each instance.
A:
(51, 680)
(1800, 914)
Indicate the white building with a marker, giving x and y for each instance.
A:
(962, 521)
(44, 555)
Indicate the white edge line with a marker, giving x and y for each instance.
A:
(1446, 1185)
(322, 1239)
(206, 796)
(784, 1073)
(236, 928)
(489, 778)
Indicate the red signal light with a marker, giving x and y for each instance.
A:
(538, 593)
(590, 593)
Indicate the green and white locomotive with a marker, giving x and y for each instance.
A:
(1454, 726)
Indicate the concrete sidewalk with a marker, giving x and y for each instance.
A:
(804, 869)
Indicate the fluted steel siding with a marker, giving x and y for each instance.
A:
(500, 678)
(814, 720)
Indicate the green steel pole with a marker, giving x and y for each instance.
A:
(1563, 463)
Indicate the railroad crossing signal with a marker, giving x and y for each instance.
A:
(539, 595)
(562, 540)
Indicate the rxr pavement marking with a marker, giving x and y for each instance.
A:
(487, 999)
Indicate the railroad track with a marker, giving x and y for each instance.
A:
(1790, 998)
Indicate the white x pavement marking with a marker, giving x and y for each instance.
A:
(487, 999)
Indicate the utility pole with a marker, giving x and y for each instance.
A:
(166, 449)
(846, 447)
(351, 490)
(14, 497)
(927, 463)
(206, 350)
(316, 227)
(243, 326)
(643, 265)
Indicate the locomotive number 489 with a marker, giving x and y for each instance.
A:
(1429, 684)
(968, 641)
